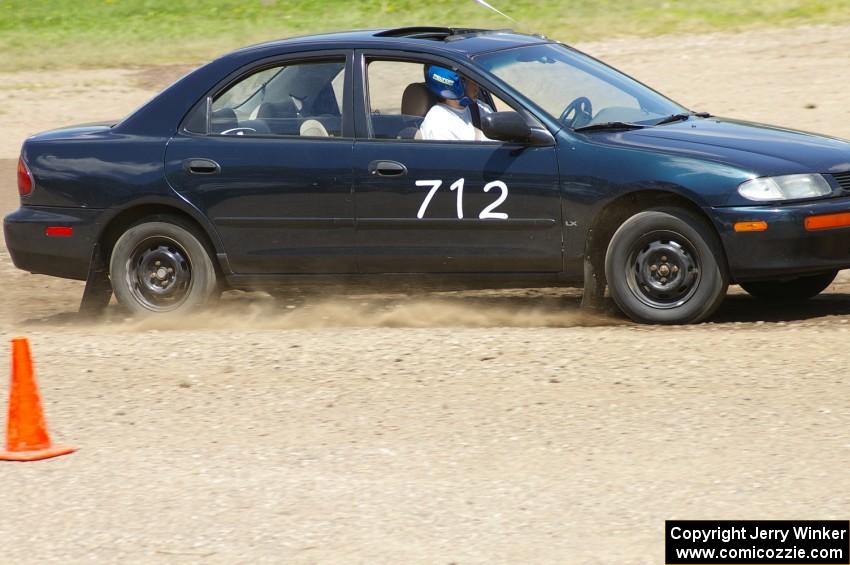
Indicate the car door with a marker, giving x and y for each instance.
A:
(268, 157)
(445, 207)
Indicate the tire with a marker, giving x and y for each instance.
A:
(161, 265)
(666, 266)
(800, 288)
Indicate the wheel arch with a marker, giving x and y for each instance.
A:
(615, 212)
(122, 219)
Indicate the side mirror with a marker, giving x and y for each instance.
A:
(511, 126)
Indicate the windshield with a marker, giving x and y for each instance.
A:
(575, 89)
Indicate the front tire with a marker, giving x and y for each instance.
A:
(161, 265)
(666, 266)
(801, 288)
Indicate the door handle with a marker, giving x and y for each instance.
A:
(387, 169)
(201, 166)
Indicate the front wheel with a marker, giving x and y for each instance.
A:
(161, 265)
(800, 288)
(666, 266)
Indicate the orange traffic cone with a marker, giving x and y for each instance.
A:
(26, 431)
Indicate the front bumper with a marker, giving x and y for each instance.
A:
(786, 248)
(34, 251)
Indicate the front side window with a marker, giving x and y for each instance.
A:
(574, 88)
(406, 103)
(298, 100)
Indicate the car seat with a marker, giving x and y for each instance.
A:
(416, 100)
(223, 120)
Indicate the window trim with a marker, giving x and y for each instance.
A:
(319, 55)
(363, 122)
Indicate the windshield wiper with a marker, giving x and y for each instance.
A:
(681, 117)
(610, 125)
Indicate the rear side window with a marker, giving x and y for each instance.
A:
(292, 100)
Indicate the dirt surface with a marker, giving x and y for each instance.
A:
(447, 428)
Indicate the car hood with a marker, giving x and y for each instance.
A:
(759, 148)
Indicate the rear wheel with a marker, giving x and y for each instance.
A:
(162, 265)
(800, 288)
(666, 266)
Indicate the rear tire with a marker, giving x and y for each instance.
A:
(666, 266)
(801, 288)
(161, 265)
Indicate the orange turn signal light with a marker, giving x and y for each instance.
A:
(828, 221)
(751, 226)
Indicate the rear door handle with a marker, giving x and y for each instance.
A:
(387, 169)
(201, 166)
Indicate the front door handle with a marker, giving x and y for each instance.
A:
(387, 169)
(201, 166)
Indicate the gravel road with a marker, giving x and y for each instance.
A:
(446, 428)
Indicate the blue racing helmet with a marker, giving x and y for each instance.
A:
(445, 83)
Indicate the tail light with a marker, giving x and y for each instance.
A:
(24, 178)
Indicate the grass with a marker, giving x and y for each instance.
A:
(100, 33)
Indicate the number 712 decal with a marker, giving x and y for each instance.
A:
(487, 213)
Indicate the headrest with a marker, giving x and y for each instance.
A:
(283, 109)
(416, 100)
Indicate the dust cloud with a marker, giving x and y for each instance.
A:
(254, 311)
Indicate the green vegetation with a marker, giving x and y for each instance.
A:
(86, 33)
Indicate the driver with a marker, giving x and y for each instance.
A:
(454, 118)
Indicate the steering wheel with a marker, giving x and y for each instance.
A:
(582, 110)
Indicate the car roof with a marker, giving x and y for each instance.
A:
(462, 41)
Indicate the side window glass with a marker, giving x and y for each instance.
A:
(500, 105)
(294, 100)
(403, 106)
(397, 99)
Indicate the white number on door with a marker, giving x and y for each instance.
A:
(434, 184)
(488, 213)
(458, 185)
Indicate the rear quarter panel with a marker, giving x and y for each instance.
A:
(102, 171)
(106, 174)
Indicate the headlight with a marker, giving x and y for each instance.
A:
(788, 187)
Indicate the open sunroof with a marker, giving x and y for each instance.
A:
(427, 32)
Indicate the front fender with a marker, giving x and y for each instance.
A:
(594, 175)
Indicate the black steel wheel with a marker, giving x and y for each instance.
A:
(664, 272)
(161, 266)
(799, 288)
(666, 266)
